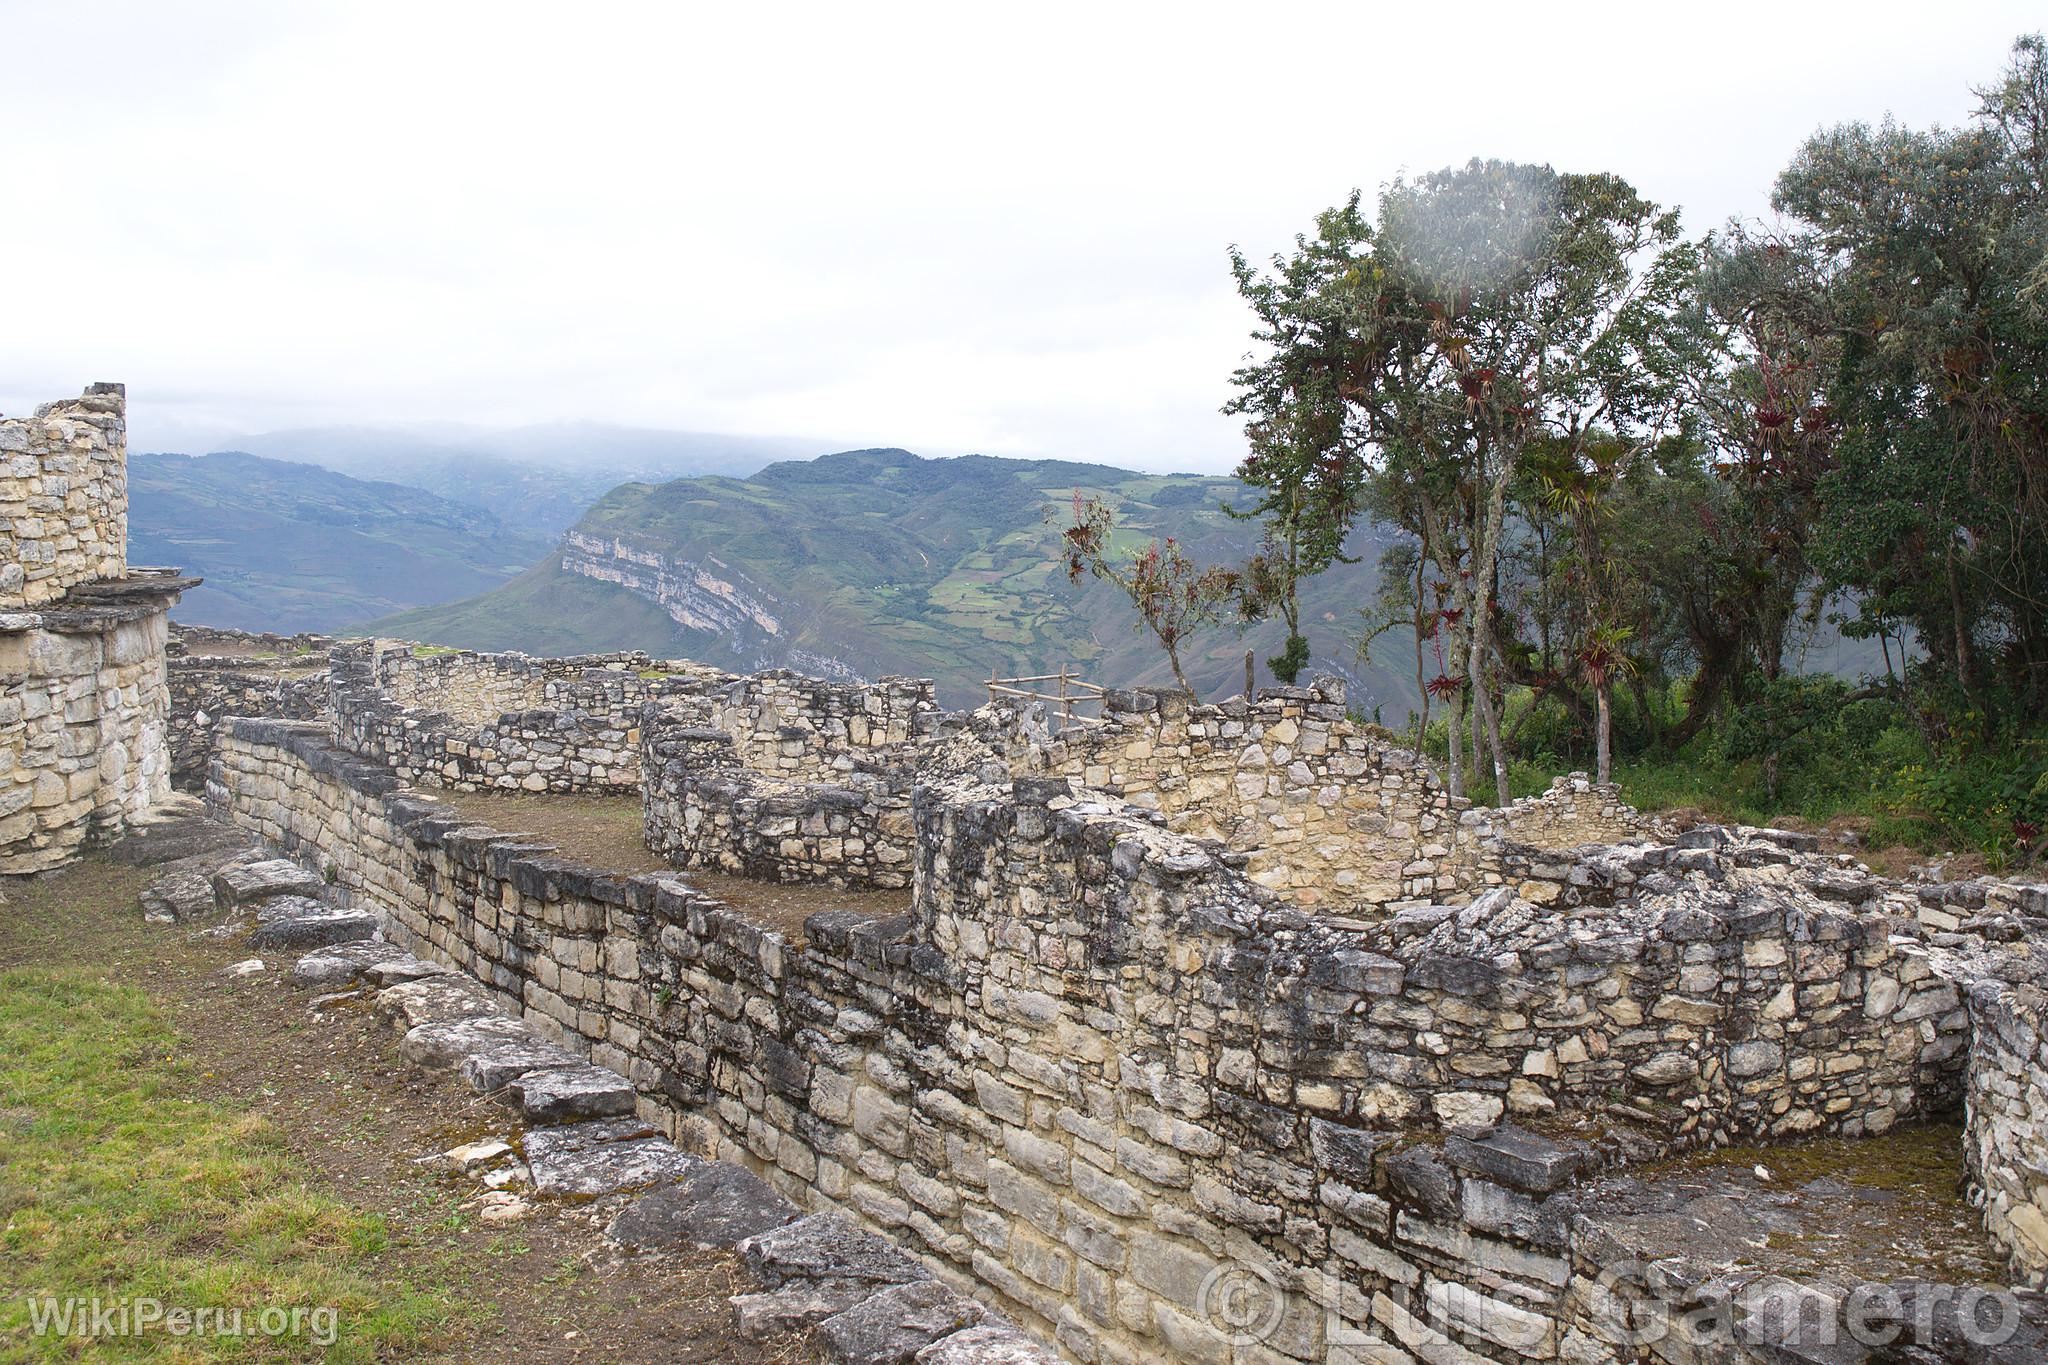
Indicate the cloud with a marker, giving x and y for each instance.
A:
(948, 227)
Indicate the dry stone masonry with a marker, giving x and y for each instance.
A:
(785, 778)
(1125, 1076)
(500, 722)
(215, 673)
(84, 710)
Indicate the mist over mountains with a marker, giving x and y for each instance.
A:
(537, 478)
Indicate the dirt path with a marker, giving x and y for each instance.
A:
(355, 1115)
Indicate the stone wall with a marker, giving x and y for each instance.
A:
(63, 497)
(2007, 1142)
(788, 779)
(83, 704)
(501, 722)
(1334, 814)
(1096, 1066)
(83, 731)
(215, 673)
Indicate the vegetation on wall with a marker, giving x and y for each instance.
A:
(1631, 468)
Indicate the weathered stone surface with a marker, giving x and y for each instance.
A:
(601, 1157)
(986, 1346)
(447, 1042)
(399, 970)
(433, 1000)
(344, 964)
(825, 1248)
(715, 1205)
(1519, 1160)
(566, 1094)
(1419, 1176)
(244, 884)
(498, 1064)
(291, 922)
(177, 832)
(800, 1305)
(178, 896)
(891, 1327)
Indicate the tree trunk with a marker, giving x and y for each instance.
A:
(1173, 658)
(1454, 734)
(1484, 565)
(1603, 739)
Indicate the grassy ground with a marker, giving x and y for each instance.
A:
(121, 1182)
(169, 1132)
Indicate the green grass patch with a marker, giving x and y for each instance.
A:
(117, 1181)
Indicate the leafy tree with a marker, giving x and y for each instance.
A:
(1303, 460)
(1933, 244)
(1173, 595)
(1489, 307)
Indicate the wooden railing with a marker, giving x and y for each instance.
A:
(1072, 690)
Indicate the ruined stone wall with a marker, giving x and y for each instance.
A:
(63, 497)
(214, 673)
(83, 734)
(788, 779)
(784, 725)
(501, 722)
(304, 649)
(1335, 815)
(1096, 1067)
(83, 705)
(2006, 1144)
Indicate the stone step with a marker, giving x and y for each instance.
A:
(433, 1000)
(295, 922)
(716, 1205)
(991, 1346)
(569, 1094)
(891, 1327)
(603, 1156)
(245, 884)
(448, 1042)
(494, 1067)
(177, 897)
(826, 1248)
(344, 964)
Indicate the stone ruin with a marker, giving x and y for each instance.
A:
(83, 702)
(1204, 1032)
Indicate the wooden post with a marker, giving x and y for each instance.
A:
(992, 684)
(1066, 704)
(1248, 676)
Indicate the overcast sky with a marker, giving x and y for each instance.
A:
(953, 228)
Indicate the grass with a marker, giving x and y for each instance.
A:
(118, 1182)
(1852, 766)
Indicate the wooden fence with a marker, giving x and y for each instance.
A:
(1071, 691)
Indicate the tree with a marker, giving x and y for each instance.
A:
(1489, 306)
(1172, 594)
(1933, 243)
(1303, 462)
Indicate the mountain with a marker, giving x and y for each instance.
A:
(537, 478)
(291, 547)
(873, 562)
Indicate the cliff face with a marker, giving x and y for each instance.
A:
(873, 563)
(707, 594)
